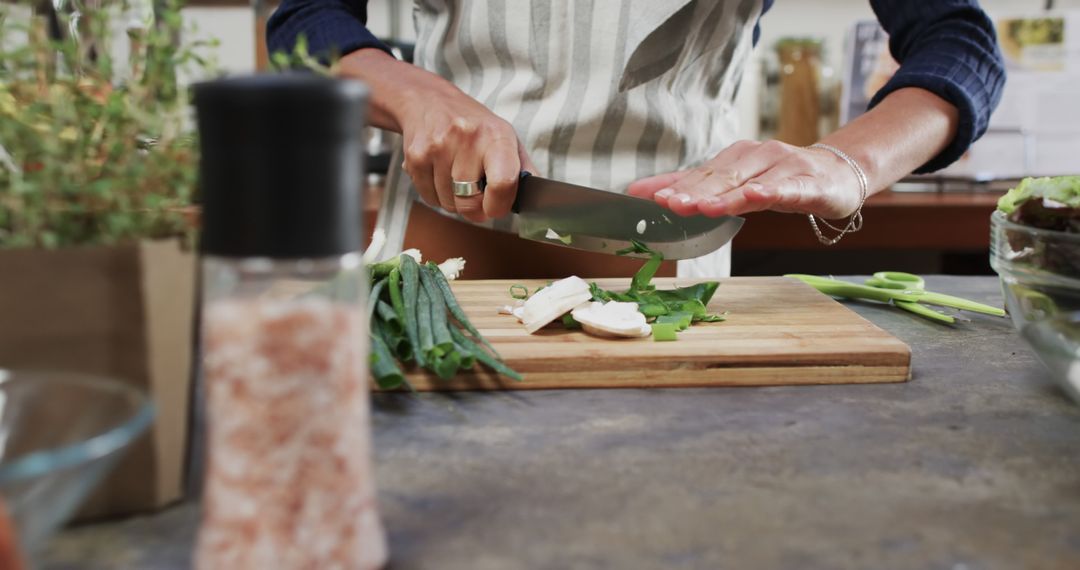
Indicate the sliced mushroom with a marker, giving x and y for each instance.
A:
(553, 302)
(612, 319)
(515, 310)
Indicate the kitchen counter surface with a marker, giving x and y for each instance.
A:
(973, 464)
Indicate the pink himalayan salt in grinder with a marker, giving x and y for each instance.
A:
(288, 481)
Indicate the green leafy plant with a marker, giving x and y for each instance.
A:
(301, 58)
(87, 160)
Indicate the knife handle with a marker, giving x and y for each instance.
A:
(482, 184)
(517, 198)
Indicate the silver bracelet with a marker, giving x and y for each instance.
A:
(855, 222)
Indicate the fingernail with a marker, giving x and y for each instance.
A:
(665, 193)
(683, 199)
(713, 202)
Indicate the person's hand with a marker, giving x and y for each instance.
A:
(446, 134)
(454, 137)
(749, 176)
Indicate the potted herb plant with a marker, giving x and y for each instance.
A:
(97, 175)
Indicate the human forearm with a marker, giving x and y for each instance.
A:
(397, 87)
(949, 48)
(906, 130)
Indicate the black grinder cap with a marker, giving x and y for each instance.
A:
(281, 170)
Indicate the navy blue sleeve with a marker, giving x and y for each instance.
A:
(331, 27)
(948, 47)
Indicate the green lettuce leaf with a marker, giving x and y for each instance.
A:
(1061, 189)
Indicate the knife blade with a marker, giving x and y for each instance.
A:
(578, 217)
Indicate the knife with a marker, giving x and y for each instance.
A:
(578, 217)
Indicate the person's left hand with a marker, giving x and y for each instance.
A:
(749, 176)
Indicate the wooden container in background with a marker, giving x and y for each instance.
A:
(124, 312)
(800, 102)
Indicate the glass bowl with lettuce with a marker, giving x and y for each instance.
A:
(1035, 249)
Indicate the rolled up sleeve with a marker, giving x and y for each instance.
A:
(947, 47)
(330, 27)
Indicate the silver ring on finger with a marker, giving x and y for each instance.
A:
(466, 189)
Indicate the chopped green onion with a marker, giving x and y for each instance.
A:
(394, 285)
(519, 292)
(653, 309)
(388, 375)
(681, 320)
(570, 322)
(389, 317)
(482, 356)
(694, 307)
(410, 294)
(710, 319)
(468, 360)
(662, 332)
(635, 247)
(455, 308)
(423, 321)
(373, 297)
(447, 366)
(439, 327)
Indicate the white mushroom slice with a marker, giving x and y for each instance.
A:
(515, 312)
(553, 301)
(613, 319)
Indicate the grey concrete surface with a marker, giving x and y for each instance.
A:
(973, 465)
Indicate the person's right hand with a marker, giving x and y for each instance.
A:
(447, 135)
(453, 137)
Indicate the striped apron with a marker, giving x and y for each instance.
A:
(600, 92)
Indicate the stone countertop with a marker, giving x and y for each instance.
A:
(973, 464)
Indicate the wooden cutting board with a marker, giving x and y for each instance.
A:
(779, 331)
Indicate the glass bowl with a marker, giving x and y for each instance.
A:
(1040, 279)
(60, 433)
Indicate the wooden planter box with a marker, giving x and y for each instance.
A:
(122, 312)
